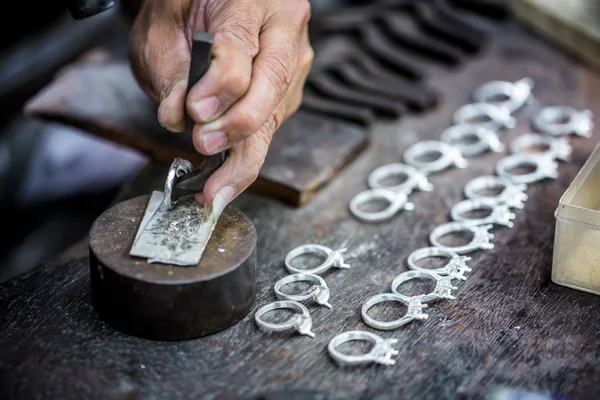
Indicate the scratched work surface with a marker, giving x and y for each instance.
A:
(510, 325)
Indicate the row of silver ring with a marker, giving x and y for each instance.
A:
(554, 121)
(511, 196)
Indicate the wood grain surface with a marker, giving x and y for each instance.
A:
(509, 326)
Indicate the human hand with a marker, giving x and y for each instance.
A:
(261, 57)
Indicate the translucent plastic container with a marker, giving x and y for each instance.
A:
(576, 258)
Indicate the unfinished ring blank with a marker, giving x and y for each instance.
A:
(178, 167)
(443, 285)
(301, 322)
(396, 202)
(334, 259)
(455, 267)
(415, 179)
(545, 167)
(319, 292)
(518, 93)
(449, 156)
(558, 147)
(513, 195)
(486, 139)
(500, 214)
(381, 353)
(415, 311)
(563, 120)
(498, 117)
(481, 236)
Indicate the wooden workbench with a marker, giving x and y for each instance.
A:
(509, 326)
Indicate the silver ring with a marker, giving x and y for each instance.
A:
(517, 93)
(178, 167)
(319, 292)
(563, 120)
(497, 117)
(415, 179)
(481, 236)
(301, 322)
(334, 259)
(558, 146)
(381, 353)
(443, 285)
(449, 156)
(486, 139)
(513, 195)
(456, 267)
(500, 213)
(415, 311)
(396, 202)
(545, 167)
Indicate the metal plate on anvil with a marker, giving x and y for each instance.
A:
(166, 301)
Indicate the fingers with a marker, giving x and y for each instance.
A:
(236, 26)
(242, 165)
(160, 58)
(272, 73)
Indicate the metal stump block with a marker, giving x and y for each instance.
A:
(170, 302)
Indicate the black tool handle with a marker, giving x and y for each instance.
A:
(201, 55)
(193, 181)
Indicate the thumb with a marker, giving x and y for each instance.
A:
(160, 59)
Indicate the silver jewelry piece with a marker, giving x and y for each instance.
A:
(449, 156)
(415, 311)
(481, 236)
(558, 146)
(563, 120)
(397, 201)
(443, 285)
(415, 179)
(381, 353)
(178, 167)
(319, 292)
(300, 322)
(500, 213)
(545, 167)
(513, 195)
(486, 139)
(334, 259)
(517, 93)
(456, 267)
(496, 117)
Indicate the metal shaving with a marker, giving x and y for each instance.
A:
(178, 236)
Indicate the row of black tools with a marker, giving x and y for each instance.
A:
(371, 60)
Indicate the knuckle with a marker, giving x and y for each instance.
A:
(299, 11)
(304, 10)
(236, 82)
(246, 122)
(307, 57)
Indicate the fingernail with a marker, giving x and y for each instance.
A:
(206, 108)
(226, 194)
(214, 141)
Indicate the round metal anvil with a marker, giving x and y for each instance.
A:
(170, 302)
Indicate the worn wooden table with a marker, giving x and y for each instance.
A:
(509, 326)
